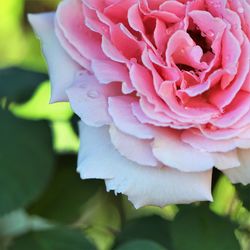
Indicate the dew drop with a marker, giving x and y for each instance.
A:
(80, 73)
(210, 33)
(93, 94)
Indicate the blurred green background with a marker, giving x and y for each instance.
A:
(43, 203)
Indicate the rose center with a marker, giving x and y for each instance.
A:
(200, 40)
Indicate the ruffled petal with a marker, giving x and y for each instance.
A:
(62, 68)
(137, 150)
(120, 110)
(143, 185)
(171, 151)
(242, 173)
(87, 95)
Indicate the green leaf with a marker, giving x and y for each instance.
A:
(152, 228)
(38, 106)
(196, 228)
(53, 239)
(140, 245)
(66, 191)
(244, 194)
(18, 85)
(26, 158)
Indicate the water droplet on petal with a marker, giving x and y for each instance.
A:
(80, 73)
(93, 94)
(210, 33)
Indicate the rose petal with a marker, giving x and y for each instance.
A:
(62, 68)
(70, 20)
(107, 71)
(242, 173)
(86, 95)
(121, 111)
(142, 185)
(137, 150)
(226, 160)
(171, 151)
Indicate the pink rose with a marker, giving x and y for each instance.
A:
(162, 88)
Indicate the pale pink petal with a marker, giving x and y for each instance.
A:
(70, 20)
(207, 23)
(125, 42)
(181, 49)
(71, 50)
(231, 51)
(234, 111)
(174, 7)
(143, 185)
(171, 151)
(234, 19)
(216, 7)
(137, 150)
(202, 114)
(200, 142)
(121, 112)
(226, 160)
(107, 71)
(118, 11)
(62, 68)
(242, 173)
(222, 97)
(89, 99)
(112, 52)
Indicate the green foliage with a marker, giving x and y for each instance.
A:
(153, 228)
(38, 106)
(141, 245)
(26, 161)
(244, 194)
(53, 239)
(67, 191)
(18, 85)
(196, 228)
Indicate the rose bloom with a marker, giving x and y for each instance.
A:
(162, 88)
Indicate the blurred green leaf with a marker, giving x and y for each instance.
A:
(38, 106)
(244, 194)
(196, 228)
(64, 199)
(101, 219)
(11, 42)
(19, 222)
(27, 159)
(65, 139)
(53, 239)
(140, 245)
(224, 196)
(18, 85)
(152, 228)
